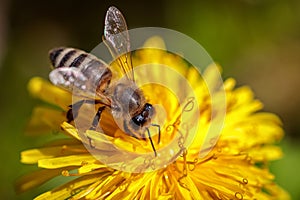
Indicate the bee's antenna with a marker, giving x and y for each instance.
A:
(158, 126)
(151, 142)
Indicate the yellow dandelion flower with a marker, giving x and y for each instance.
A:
(236, 167)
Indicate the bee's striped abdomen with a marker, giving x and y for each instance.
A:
(77, 61)
(78, 68)
(65, 59)
(53, 54)
(69, 57)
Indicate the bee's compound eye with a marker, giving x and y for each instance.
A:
(149, 109)
(138, 119)
(145, 116)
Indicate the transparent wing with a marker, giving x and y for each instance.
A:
(116, 37)
(68, 78)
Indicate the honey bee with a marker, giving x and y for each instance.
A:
(83, 73)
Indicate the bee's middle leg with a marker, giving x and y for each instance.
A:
(97, 118)
(95, 123)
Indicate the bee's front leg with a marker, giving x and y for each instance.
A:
(158, 126)
(149, 135)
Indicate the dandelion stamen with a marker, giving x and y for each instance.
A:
(239, 196)
(189, 106)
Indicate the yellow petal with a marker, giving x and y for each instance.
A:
(65, 161)
(155, 42)
(90, 167)
(35, 179)
(266, 153)
(70, 189)
(34, 155)
(71, 130)
(45, 120)
(47, 92)
(229, 84)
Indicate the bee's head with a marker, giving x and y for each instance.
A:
(144, 117)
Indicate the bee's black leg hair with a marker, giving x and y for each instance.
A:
(74, 108)
(97, 118)
(151, 142)
(158, 126)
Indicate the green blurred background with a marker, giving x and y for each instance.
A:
(256, 41)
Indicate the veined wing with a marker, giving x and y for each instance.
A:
(116, 37)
